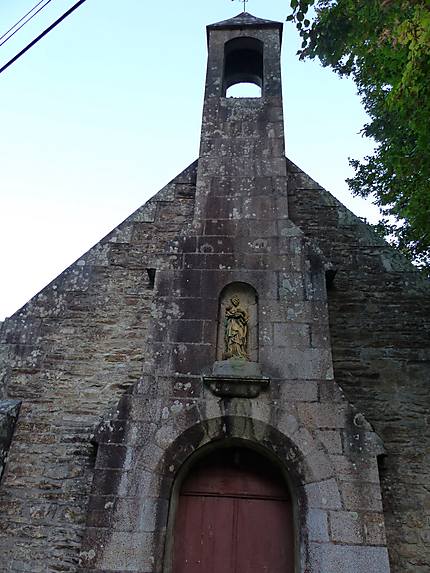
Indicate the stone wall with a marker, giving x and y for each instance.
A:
(379, 324)
(69, 355)
(301, 419)
(241, 240)
(3, 375)
(70, 367)
(333, 478)
(9, 410)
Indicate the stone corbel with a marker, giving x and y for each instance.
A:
(236, 378)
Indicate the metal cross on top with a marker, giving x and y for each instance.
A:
(244, 2)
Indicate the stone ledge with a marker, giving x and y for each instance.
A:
(233, 387)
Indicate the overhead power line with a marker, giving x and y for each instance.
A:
(22, 25)
(40, 36)
(21, 19)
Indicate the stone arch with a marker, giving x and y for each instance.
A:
(292, 447)
(150, 474)
(260, 461)
(243, 62)
(306, 468)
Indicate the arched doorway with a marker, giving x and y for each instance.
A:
(234, 515)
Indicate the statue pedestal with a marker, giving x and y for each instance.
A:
(236, 378)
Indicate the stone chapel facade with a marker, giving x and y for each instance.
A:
(241, 323)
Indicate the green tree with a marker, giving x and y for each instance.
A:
(384, 45)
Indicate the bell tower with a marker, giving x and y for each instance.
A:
(242, 139)
(244, 49)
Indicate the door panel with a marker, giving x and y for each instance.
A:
(234, 516)
(264, 537)
(236, 472)
(204, 535)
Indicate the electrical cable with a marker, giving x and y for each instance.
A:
(26, 22)
(21, 19)
(40, 36)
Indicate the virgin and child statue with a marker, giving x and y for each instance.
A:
(236, 330)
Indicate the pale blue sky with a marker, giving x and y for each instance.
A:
(106, 109)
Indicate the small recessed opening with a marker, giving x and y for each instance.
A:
(243, 89)
(243, 64)
(329, 278)
(151, 277)
(93, 452)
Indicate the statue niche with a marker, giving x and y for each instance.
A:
(236, 371)
(235, 330)
(237, 324)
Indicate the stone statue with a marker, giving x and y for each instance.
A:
(236, 330)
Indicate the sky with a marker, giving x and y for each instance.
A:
(106, 109)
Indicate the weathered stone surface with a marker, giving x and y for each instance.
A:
(317, 525)
(346, 527)
(109, 362)
(351, 559)
(379, 327)
(324, 495)
(69, 355)
(9, 410)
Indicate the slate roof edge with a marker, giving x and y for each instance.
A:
(244, 20)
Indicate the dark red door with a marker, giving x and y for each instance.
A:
(234, 516)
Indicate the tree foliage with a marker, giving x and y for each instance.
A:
(384, 45)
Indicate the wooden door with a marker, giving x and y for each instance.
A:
(234, 516)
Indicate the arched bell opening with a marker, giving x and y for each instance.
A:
(243, 89)
(231, 511)
(243, 64)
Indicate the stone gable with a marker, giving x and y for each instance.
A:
(120, 374)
